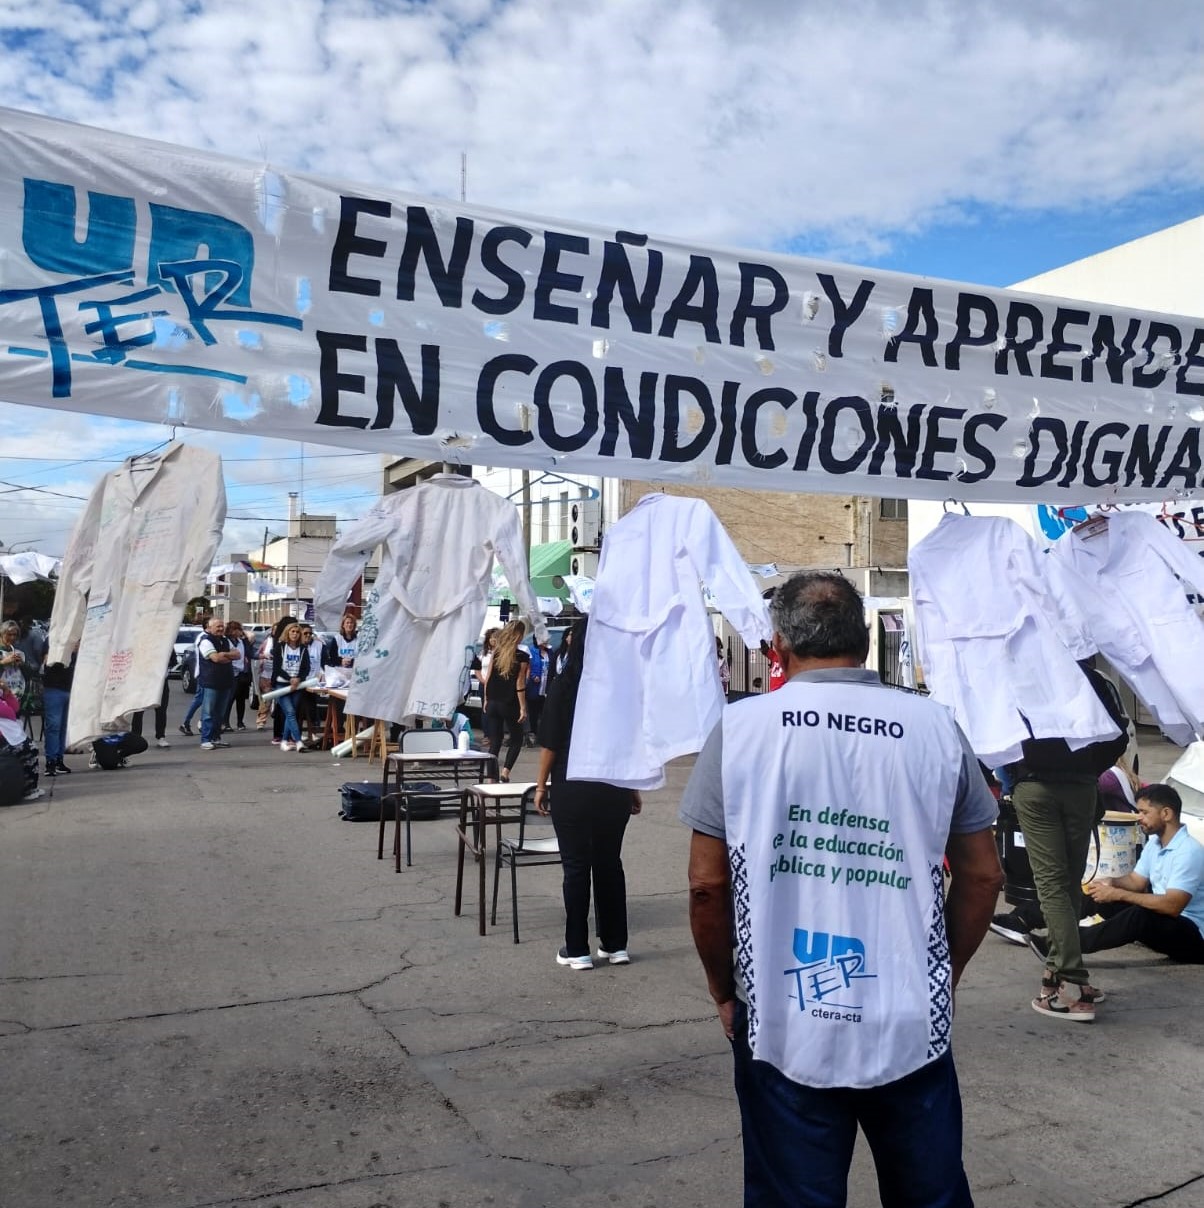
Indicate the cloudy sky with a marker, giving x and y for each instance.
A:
(975, 140)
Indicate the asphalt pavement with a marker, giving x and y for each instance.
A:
(213, 994)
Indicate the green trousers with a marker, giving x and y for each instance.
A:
(1057, 818)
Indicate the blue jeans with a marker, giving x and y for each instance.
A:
(54, 719)
(197, 700)
(213, 710)
(798, 1141)
(291, 731)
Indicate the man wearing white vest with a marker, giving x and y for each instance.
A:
(821, 816)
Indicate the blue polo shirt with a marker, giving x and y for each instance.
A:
(1178, 865)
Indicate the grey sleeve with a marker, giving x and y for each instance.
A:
(702, 803)
(975, 807)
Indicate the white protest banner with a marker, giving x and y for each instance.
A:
(157, 283)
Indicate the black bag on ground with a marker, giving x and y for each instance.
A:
(361, 801)
(114, 749)
(12, 776)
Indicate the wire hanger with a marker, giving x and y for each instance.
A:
(1096, 523)
(957, 503)
(154, 448)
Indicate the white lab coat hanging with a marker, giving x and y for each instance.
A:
(650, 689)
(428, 604)
(997, 644)
(136, 557)
(1131, 576)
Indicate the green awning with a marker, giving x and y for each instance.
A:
(547, 561)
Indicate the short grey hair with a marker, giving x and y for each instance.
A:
(10, 627)
(820, 615)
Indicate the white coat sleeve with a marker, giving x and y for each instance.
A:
(511, 553)
(721, 568)
(75, 580)
(1062, 602)
(346, 561)
(1171, 549)
(206, 523)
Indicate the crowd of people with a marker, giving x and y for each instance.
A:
(843, 866)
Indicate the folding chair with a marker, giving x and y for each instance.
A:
(523, 848)
(415, 742)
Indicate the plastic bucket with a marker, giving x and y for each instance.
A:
(1114, 850)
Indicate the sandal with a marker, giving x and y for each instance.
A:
(505, 775)
(1050, 1002)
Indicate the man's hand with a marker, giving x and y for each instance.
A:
(1103, 891)
(727, 1017)
(711, 921)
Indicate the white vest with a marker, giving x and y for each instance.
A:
(837, 804)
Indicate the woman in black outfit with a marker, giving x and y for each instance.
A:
(590, 819)
(506, 694)
(242, 675)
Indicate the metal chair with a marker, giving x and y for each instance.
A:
(523, 848)
(413, 742)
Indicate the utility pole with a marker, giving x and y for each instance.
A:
(527, 519)
(264, 559)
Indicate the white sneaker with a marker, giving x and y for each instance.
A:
(93, 762)
(206, 746)
(574, 962)
(162, 742)
(618, 957)
(34, 794)
(285, 745)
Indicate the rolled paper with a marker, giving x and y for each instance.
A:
(309, 683)
(345, 748)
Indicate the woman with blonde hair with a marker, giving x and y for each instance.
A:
(290, 668)
(506, 695)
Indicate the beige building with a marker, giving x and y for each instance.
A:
(294, 559)
(863, 538)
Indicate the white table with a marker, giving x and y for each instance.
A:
(491, 804)
(405, 765)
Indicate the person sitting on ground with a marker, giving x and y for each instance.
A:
(1161, 902)
(14, 740)
(1119, 786)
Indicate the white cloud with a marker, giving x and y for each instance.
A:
(839, 127)
(749, 124)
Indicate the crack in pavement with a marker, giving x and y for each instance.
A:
(449, 1105)
(1161, 1195)
(20, 980)
(183, 1012)
(597, 1027)
(374, 1176)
